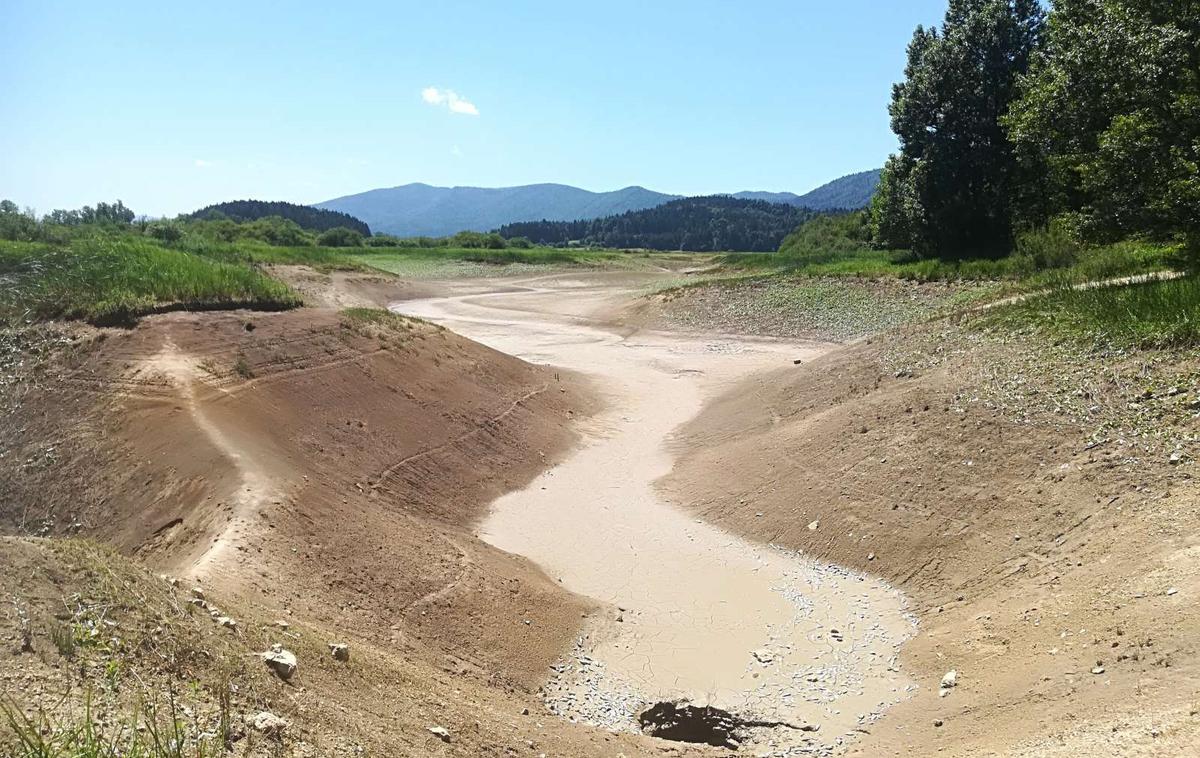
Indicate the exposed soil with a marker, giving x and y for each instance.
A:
(693, 612)
(1055, 570)
(322, 469)
(699, 517)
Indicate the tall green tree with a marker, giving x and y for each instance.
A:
(1110, 117)
(947, 192)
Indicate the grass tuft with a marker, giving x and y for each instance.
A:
(148, 732)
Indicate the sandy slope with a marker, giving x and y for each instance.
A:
(1057, 576)
(326, 471)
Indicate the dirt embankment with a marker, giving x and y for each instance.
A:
(327, 466)
(327, 469)
(1058, 575)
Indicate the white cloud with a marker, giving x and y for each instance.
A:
(202, 163)
(450, 99)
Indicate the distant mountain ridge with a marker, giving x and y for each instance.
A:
(849, 192)
(413, 210)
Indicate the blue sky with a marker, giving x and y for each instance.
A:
(171, 106)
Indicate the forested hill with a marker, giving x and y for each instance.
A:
(847, 193)
(305, 216)
(702, 224)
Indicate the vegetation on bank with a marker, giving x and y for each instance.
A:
(111, 279)
(1143, 314)
(101, 265)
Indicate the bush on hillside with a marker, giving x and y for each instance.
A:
(340, 236)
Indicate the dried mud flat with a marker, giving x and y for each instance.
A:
(801, 653)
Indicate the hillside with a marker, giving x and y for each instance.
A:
(317, 466)
(849, 192)
(701, 224)
(417, 209)
(305, 216)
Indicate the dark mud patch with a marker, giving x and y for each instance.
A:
(681, 721)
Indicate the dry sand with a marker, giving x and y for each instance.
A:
(693, 611)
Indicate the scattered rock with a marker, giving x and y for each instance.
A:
(226, 622)
(440, 732)
(949, 682)
(282, 662)
(763, 656)
(812, 525)
(1098, 668)
(938, 722)
(1172, 590)
(198, 593)
(340, 651)
(269, 724)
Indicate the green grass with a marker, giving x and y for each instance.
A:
(425, 263)
(112, 279)
(147, 732)
(1155, 314)
(397, 260)
(1024, 272)
(250, 251)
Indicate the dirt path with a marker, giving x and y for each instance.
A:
(256, 486)
(694, 612)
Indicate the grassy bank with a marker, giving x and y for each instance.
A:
(112, 279)
(425, 263)
(797, 305)
(1151, 314)
(1022, 271)
(402, 261)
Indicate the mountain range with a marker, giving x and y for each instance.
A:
(413, 210)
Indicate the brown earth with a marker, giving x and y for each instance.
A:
(1059, 577)
(321, 468)
(330, 470)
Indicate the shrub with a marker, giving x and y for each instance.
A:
(278, 231)
(382, 240)
(165, 231)
(1054, 246)
(15, 225)
(340, 236)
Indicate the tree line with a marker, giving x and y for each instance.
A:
(1013, 119)
(700, 224)
(305, 216)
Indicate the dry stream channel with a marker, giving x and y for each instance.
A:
(772, 650)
